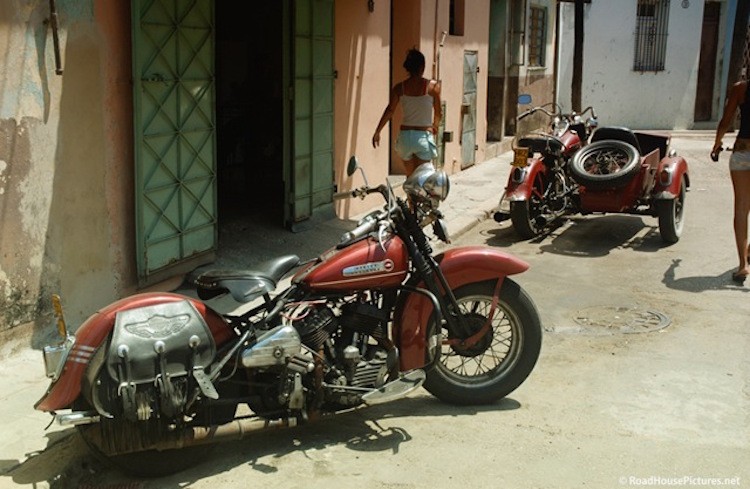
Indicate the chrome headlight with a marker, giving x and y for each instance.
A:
(427, 184)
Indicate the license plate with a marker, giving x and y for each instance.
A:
(520, 157)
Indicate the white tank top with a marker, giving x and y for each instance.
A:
(417, 109)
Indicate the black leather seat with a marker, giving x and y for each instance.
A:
(618, 133)
(541, 143)
(245, 285)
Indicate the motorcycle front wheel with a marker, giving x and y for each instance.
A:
(503, 357)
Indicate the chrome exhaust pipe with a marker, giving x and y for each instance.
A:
(76, 418)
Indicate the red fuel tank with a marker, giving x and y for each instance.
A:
(362, 265)
(571, 142)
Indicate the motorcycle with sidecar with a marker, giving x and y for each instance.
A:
(632, 172)
(539, 188)
(612, 170)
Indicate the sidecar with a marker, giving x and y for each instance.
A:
(632, 172)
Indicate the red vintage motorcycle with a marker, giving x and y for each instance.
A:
(539, 188)
(150, 379)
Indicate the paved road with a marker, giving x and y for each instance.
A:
(643, 379)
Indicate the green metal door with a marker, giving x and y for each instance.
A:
(311, 183)
(175, 175)
(469, 110)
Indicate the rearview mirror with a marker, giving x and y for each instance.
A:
(524, 99)
(352, 166)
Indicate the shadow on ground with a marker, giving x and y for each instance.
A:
(67, 463)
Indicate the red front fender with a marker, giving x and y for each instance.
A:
(461, 266)
(94, 331)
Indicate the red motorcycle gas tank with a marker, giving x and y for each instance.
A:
(362, 265)
(571, 142)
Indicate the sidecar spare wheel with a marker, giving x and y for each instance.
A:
(605, 164)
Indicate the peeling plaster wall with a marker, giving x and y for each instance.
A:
(28, 125)
(62, 195)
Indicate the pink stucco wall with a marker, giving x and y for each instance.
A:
(362, 63)
(366, 72)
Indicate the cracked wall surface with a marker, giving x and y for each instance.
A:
(64, 204)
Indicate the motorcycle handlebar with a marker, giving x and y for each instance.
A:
(523, 115)
(591, 109)
(368, 225)
(527, 113)
(360, 192)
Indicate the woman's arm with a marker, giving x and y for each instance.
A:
(736, 95)
(387, 114)
(437, 107)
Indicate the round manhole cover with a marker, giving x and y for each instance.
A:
(618, 319)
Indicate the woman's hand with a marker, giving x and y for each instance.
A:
(376, 140)
(716, 150)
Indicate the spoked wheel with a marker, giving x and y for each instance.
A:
(524, 214)
(670, 213)
(605, 164)
(501, 359)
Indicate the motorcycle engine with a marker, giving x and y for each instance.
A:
(345, 339)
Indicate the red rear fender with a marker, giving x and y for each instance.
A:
(94, 331)
(669, 177)
(461, 266)
(522, 190)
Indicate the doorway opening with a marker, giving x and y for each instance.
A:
(249, 118)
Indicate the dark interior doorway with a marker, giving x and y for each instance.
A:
(704, 94)
(249, 116)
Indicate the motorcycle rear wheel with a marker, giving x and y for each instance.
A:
(523, 219)
(146, 463)
(524, 213)
(500, 361)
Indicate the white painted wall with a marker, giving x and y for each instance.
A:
(621, 96)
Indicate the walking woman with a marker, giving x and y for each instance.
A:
(739, 169)
(420, 101)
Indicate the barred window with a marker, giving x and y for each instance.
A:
(537, 36)
(652, 20)
(457, 17)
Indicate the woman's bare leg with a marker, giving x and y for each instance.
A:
(412, 165)
(741, 186)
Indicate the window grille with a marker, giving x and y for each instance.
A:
(651, 31)
(537, 36)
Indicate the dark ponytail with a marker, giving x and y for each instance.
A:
(414, 62)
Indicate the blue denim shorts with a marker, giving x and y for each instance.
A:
(411, 143)
(739, 161)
